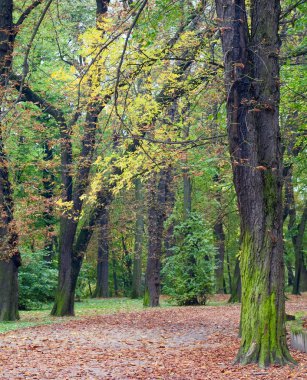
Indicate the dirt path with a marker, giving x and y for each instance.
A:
(175, 343)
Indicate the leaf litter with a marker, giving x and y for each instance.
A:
(177, 343)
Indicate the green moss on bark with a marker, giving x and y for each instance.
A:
(269, 193)
(263, 317)
(62, 305)
(146, 301)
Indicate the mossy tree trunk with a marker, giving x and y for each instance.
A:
(65, 294)
(252, 83)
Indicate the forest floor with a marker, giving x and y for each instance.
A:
(166, 343)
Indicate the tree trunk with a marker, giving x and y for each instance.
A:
(236, 284)
(9, 255)
(127, 261)
(300, 278)
(64, 300)
(219, 270)
(48, 184)
(187, 193)
(115, 283)
(156, 218)
(65, 295)
(102, 285)
(299, 281)
(219, 234)
(71, 259)
(9, 289)
(252, 83)
(138, 244)
(228, 273)
(303, 283)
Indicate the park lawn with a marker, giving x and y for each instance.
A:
(85, 308)
(88, 308)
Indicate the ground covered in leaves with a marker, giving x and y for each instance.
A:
(166, 343)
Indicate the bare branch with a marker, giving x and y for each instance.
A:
(27, 12)
(170, 142)
(125, 48)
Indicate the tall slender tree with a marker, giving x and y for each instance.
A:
(9, 254)
(70, 256)
(102, 283)
(251, 49)
(138, 242)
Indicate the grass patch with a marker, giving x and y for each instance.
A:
(298, 325)
(85, 308)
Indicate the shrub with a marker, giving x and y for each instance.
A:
(37, 280)
(188, 275)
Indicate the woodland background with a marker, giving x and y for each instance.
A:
(114, 153)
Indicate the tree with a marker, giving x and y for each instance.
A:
(102, 285)
(138, 243)
(9, 259)
(9, 254)
(156, 217)
(189, 273)
(70, 258)
(252, 83)
(220, 242)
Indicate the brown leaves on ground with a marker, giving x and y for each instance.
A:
(173, 343)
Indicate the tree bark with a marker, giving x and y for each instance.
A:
(9, 255)
(136, 290)
(48, 184)
(236, 289)
(71, 260)
(187, 193)
(300, 278)
(156, 218)
(102, 284)
(115, 282)
(219, 270)
(219, 234)
(127, 261)
(252, 83)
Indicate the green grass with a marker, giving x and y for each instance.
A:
(86, 308)
(296, 326)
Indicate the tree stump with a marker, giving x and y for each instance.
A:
(299, 335)
(299, 340)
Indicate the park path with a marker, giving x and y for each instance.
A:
(193, 343)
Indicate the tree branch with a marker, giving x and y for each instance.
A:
(27, 12)
(291, 8)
